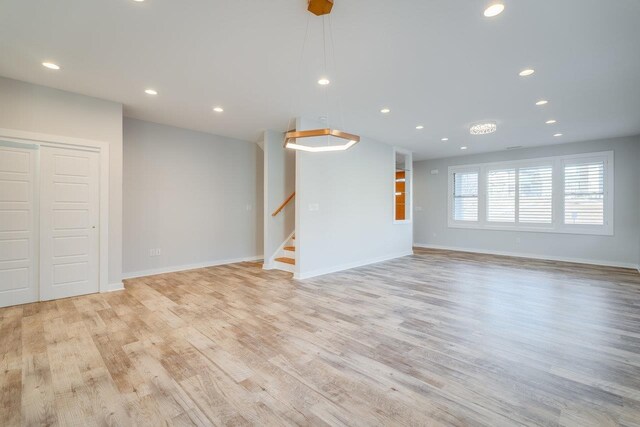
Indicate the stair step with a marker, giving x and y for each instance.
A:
(289, 248)
(287, 260)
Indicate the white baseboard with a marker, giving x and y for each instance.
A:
(114, 287)
(350, 265)
(531, 256)
(177, 268)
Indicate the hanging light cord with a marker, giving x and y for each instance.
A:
(295, 101)
(335, 68)
(326, 71)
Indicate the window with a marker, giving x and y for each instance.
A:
(565, 194)
(402, 186)
(584, 193)
(535, 192)
(501, 195)
(465, 196)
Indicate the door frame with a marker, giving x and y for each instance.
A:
(102, 147)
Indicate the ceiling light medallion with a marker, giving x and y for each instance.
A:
(483, 128)
(326, 138)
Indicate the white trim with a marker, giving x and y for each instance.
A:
(408, 188)
(348, 266)
(528, 255)
(557, 225)
(41, 139)
(114, 287)
(177, 268)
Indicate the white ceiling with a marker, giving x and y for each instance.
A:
(437, 63)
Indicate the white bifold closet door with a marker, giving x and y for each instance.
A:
(69, 222)
(18, 248)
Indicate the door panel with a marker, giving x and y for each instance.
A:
(17, 226)
(69, 223)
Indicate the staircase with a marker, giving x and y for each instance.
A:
(286, 258)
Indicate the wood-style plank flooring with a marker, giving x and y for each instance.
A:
(438, 338)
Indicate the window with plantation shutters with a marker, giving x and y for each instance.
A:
(501, 195)
(465, 196)
(584, 193)
(535, 195)
(563, 194)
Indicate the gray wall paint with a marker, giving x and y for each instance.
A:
(196, 196)
(33, 108)
(430, 194)
(279, 183)
(354, 191)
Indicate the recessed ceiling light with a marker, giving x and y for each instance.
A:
(463, 148)
(51, 65)
(483, 128)
(550, 122)
(444, 139)
(493, 10)
(557, 134)
(218, 109)
(139, 1)
(542, 102)
(419, 127)
(385, 111)
(527, 72)
(324, 81)
(151, 92)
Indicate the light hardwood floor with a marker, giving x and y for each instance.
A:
(438, 338)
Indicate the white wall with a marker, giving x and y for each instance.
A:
(430, 195)
(195, 196)
(354, 193)
(39, 109)
(279, 183)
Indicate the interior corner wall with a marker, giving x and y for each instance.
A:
(39, 109)
(279, 183)
(344, 208)
(621, 249)
(195, 196)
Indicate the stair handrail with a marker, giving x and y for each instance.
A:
(282, 206)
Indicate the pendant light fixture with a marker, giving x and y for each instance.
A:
(331, 139)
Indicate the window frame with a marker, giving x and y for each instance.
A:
(451, 201)
(557, 224)
(408, 186)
